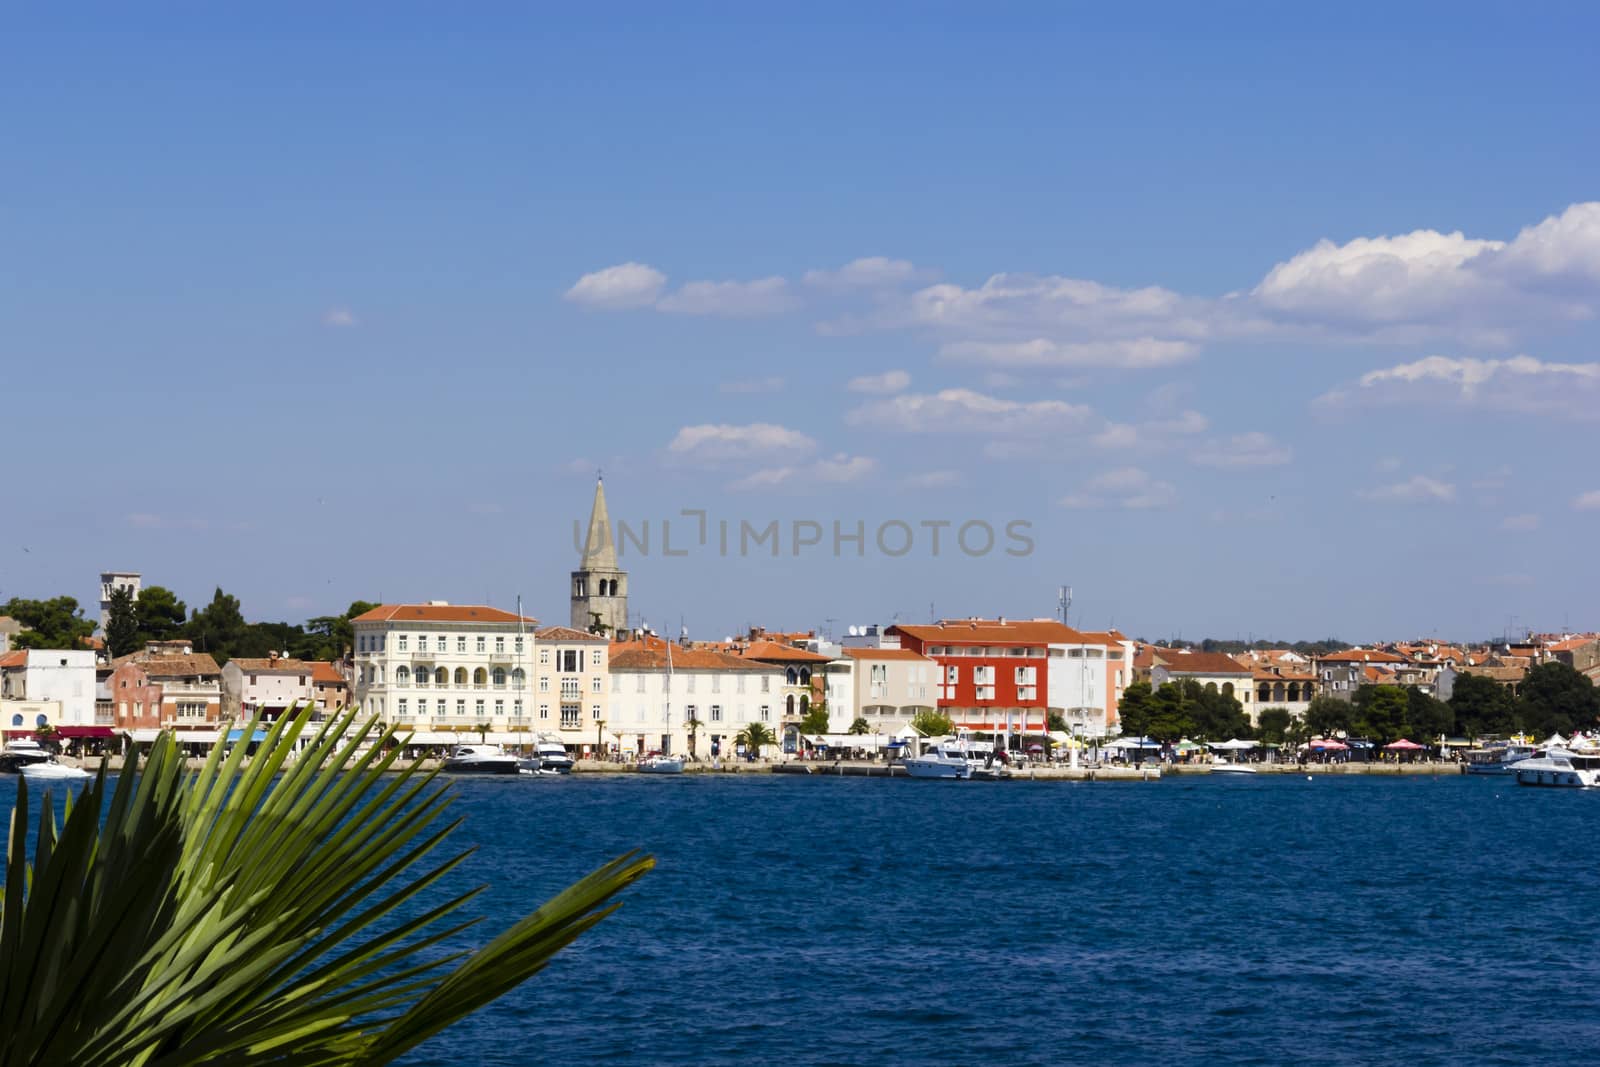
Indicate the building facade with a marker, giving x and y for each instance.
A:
(58, 685)
(889, 687)
(658, 689)
(177, 692)
(445, 666)
(571, 695)
(599, 586)
(270, 686)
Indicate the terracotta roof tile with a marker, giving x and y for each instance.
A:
(274, 666)
(326, 674)
(635, 657)
(199, 663)
(567, 633)
(1362, 655)
(19, 658)
(993, 632)
(440, 613)
(771, 650)
(886, 653)
(1200, 662)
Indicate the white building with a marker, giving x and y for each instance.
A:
(889, 687)
(271, 686)
(658, 689)
(1087, 674)
(445, 666)
(61, 682)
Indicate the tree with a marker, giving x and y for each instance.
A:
(260, 912)
(932, 723)
(336, 631)
(160, 613)
(1135, 709)
(1326, 716)
(219, 627)
(860, 725)
(1171, 707)
(1557, 699)
(54, 623)
(1379, 712)
(815, 720)
(122, 623)
(1482, 706)
(1273, 724)
(755, 737)
(694, 725)
(1055, 722)
(1426, 717)
(1216, 715)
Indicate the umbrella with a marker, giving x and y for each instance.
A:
(1187, 745)
(1235, 745)
(1330, 745)
(1402, 745)
(1035, 748)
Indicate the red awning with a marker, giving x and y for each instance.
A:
(85, 731)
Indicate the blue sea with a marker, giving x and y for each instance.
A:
(852, 921)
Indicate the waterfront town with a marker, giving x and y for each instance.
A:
(604, 689)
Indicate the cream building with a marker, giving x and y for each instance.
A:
(658, 689)
(890, 686)
(570, 692)
(271, 686)
(445, 666)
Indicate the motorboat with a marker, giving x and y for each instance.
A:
(480, 759)
(1497, 759)
(20, 753)
(51, 771)
(946, 759)
(1559, 767)
(553, 758)
(661, 765)
(1223, 766)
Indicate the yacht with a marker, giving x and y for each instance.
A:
(1559, 767)
(20, 753)
(1496, 759)
(480, 759)
(946, 759)
(661, 765)
(51, 771)
(1223, 766)
(553, 758)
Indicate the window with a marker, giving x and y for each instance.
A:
(439, 643)
(544, 684)
(639, 684)
(252, 679)
(569, 688)
(716, 713)
(402, 707)
(461, 642)
(482, 644)
(478, 707)
(738, 684)
(519, 679)
(519, 644)
(594, 712)
(441, 706)
(516, 708)
(461, 677)
(570, 714)
(544, 656)
(461, 708)
(16, 720)
(499, 677)
(544, 711)
(571, 660)
(689, 713)
(878, 675)
(402, 675)
(983, 675)
(1027, 676)
(688, 683)
(594, 686)
(441, 677)
(500, 709)
(716, 683)
(985, 692)
(616, 683)
(402, 642)
(766, 684)
(766, 713)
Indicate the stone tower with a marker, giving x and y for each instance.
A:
(599, 587)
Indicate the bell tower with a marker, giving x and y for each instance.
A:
(599, 587)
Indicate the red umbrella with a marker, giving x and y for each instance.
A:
(1403, 745)
(1330, 745)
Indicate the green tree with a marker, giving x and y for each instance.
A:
(54, 623)
(1273, 724)
(815, 720)
(1482, 706)
(1426, 717)
(694, 725)
(1171, 713)
(1379, 712)
(1557, 699)
(930, 722)
(1055, 722)
(1326, 716)
(755, 737)
(1135, 709)
(122, 623)
(273, 911)
(860, 726)
(336, 631)
(219, 627)
(1216, 715)
(160, 613)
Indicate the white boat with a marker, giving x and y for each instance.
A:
(51, 771)
(1497, 759)
(661, 765)
(553, 758)
(22, 752)
(480, 759)
(1559, 767)
(1223, 766)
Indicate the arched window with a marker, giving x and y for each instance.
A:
(1227, 689)
(791, 676)
(402, 676)
(480, 677)
(16, 720)
(805, 704)
(805, 675)
(1294, 692)
(788, 705)
(1263, 692)
(461, 676)
(1211, 687)
(499, 677)
(518, 678)
(441, 677)
(1277, 692)
(43, 720)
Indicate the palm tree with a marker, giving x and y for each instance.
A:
(267, 911)
(483, 731)
(694, 726)
(754, 736)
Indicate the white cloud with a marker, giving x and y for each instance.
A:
(866, 273)
(753, 385)
(764, 296)
(892, 381)
(1418, 488)
(1129, 488)
(1564, 248)
(840, 469)
(1135, 353)
(339, 318)
(963, 410)
(1520, 385)
(627, 285)
(1243, 450)
(1520, 523)
(1589, 501)
(715, 443)
(934, 480)
(1153, 433)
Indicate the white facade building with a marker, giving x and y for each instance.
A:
(60, 681)
(658, 688)
(571, 693)
(445, 666)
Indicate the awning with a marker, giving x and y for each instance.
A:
(85, 731)
(234, 736)
(1235, 745)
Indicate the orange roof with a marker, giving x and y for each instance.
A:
(179, 666)
(19, 658)
(1362, 655)
(440, 613)
(1200, 662)
(566, 633)
(326, 674)
(636, 657)
(771, 650)
(274, 666)
(994, 632)
(1571, 644)
(886, 653)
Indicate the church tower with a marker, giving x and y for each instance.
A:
(599, 587)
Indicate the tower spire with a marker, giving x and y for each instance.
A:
(599, 552)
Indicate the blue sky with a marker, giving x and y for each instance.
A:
(1266, 322)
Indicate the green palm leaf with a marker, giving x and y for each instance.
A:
(265, 909)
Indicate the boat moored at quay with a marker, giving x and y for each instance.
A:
(1561, 768)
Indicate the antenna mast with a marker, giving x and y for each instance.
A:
(1064, 601)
